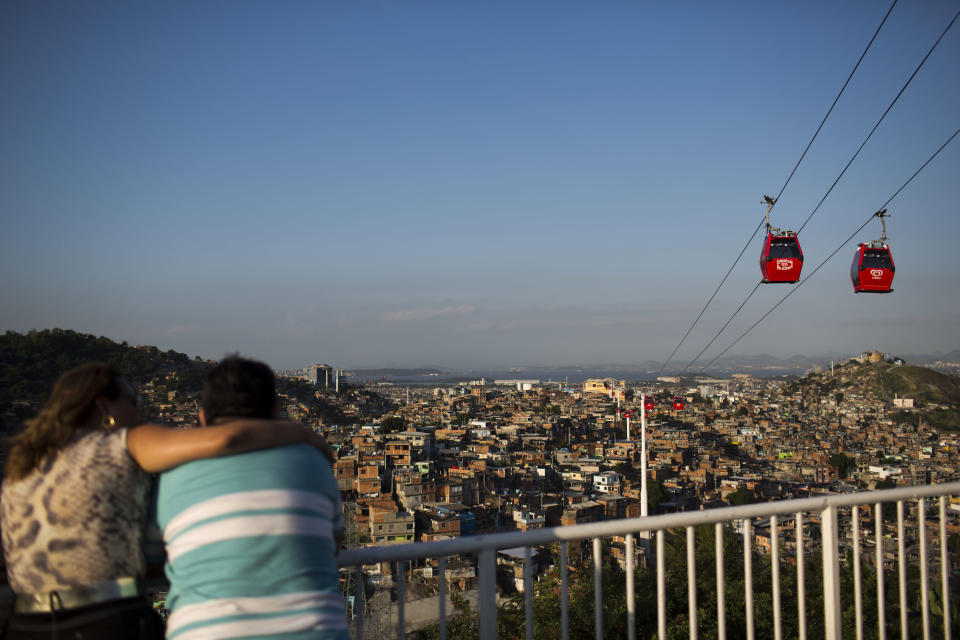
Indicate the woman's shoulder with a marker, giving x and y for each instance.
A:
(91, 452)
(101, 441)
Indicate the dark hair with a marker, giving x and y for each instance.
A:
(65, 413)
(239, 388)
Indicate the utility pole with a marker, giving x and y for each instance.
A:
(643, 457)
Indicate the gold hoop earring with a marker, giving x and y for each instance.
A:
(108, 422)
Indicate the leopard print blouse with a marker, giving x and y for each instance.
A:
(77, 519)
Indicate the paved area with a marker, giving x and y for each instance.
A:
(382, 620)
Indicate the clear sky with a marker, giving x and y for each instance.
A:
(469, 184)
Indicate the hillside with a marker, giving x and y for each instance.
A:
(923, 385)
(936, 395)
(30, 363)
(884, 381)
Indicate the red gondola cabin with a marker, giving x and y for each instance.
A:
(648, 404)
(872, 269)
(677, 403)
(781, 258)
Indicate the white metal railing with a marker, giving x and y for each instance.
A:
(826, 508)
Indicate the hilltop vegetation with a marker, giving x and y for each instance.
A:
(919, 383)
(30, 363)
(884, 381)
(936, 395)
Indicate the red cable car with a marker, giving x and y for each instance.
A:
(781, 258)
(872, 268)
(677, 403)
(648, 404)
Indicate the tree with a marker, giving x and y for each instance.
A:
(391, 424)
(731, 450)
(841, 463)
(655, 495)
(887, 483)
(953, 543)
(463, 625)
(889, 508)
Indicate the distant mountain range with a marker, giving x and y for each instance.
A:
(763, 365)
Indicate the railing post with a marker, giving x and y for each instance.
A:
(721, 584)
(631, 597)
(692, 582)
(358, 600)
(857, 595)
(902, 571)
(442, 597)
(401, 602)
(488, 594)
(564, 593)
(661, 587)
(597, 591)
(775, 577)
(944, 568)
(801, 582)
(924, 570)
(748, 574)
(831, 574)
(528, 591)
(881, 609)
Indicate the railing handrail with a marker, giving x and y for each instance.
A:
(607, 528)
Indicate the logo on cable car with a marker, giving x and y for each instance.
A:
(876, 273)
(784, 265)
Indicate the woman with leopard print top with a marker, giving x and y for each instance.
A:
(74, 504)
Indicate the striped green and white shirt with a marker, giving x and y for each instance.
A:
(250, 543)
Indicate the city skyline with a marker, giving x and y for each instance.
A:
(469, 187)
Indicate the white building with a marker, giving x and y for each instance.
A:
(606, 482)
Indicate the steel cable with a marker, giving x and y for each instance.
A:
(717, 335)
(790, 177)
(869, 135)
(835, 251)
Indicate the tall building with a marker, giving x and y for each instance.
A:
(319, 374)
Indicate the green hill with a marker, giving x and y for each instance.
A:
(921, 384)
(31, 362)
(884, 381)
(936, 395)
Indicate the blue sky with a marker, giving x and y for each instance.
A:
(456, 184)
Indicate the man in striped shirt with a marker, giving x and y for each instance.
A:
(251, 539)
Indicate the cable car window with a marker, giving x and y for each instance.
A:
(876, 260)
(786, 248)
